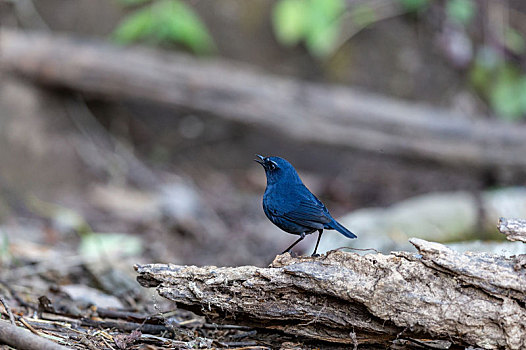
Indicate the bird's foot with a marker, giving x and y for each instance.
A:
(315, 255)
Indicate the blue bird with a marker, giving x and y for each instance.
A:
(291, 206)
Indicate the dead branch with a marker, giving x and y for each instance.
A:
(126, 326)
(305, 111)
(473, 298)
(20, 338)
(514, 229)
(8, 310)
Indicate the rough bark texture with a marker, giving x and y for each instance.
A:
(514, 229)
(475, 299)
(305, 111)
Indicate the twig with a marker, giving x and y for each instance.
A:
(85, 341)
(28, 326)
(256, 347)
(53, 325)
(172, 342)
(123, 314)
(225, 326)
(8, 309)
(243, 344)
(126, 326)
(106, 342)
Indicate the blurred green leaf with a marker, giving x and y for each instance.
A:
(324, 25)
(327, 10)
(166, 21)
(514, 41)
(138, 25)
(316, 22)
(184, 26)
(414, 5)
(101, 245)
(133, 2)
(363, 15)
(461, 11)
(506, 94)
(322, 42)
(289, 21)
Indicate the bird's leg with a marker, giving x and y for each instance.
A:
(317, 243)
(302, 235)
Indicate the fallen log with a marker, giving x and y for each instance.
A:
(470, 299)
(308, 112)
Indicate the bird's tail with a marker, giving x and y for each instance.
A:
(335, 225)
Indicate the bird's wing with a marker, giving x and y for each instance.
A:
(309, 212)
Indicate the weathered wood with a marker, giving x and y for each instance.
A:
(514, 229)
(308, 112)
(471, 298)
(20, 338)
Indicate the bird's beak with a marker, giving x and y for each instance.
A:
(261, 159)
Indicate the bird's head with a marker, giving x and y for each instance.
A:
(278, 169)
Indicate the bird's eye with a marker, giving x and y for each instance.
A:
(272, 165)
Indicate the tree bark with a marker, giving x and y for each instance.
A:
(470, 299)
(308, 112)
